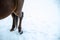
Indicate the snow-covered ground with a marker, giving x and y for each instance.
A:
(41, 22)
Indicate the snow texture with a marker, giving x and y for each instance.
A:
(41, 22)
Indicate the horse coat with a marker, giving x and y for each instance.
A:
(9, 6)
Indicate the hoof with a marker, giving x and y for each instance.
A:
(21, 32)
(11, 30)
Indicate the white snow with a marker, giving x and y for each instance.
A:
(41, 22)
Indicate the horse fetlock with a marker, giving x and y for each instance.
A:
(12, 29)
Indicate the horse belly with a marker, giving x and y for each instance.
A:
(6, 8)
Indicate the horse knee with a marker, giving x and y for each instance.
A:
(23, 0)
(21, 15)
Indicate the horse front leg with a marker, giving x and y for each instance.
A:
(19, 27)
(15, 21)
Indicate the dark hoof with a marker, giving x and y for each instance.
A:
(21, 32)
(12, 30)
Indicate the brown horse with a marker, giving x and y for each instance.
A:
(13, 7)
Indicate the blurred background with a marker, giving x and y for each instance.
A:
(41, 22)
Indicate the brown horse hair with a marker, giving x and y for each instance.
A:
(13, 8)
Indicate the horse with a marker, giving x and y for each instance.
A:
(13, 8)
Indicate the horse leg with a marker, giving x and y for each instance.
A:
(15, 21)
(20, 21)
(19, 5)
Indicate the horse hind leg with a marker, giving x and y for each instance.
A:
(15, 21)
(20, 21)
